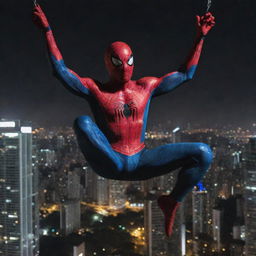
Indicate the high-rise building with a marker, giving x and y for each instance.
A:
(89, 184)
(156, 242)
(250, 198)
(96, 188)
(200, 216)
(228, 225)
(177, 242)
(217, 227)
(199, 203)
(19, 212)
(46, 157)
(73, 184)
(70, 216)
(237, 248)
(79, 250)
(70, 210)
(238, 225)
(117, 195)
(102, 195)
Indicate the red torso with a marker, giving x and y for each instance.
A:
(123, 111)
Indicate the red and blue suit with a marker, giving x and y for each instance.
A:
(114, 144)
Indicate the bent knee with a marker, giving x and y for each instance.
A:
(83, 122)
(204, 155)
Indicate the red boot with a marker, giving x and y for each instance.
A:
(169, 207)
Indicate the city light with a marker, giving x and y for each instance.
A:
(45, 232)
(96, 217)
(26, 129)
(7, 124)
(11, 216)
(176, 129)
(12, 238)
(11, 134)
(250, 188)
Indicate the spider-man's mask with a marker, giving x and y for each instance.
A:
(119, 62)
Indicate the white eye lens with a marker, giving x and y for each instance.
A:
(116, 61)
(130, 61)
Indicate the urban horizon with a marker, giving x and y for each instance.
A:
(82, 210)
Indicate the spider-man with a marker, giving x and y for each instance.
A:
(114, 144)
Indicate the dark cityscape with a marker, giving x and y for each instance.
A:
(76, 212)
(52, 203)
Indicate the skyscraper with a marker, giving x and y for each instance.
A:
(70, 211)
(70, 215)
(18, 191)
(117, 195)
(199, 216)
(73, 184)
(96, 188)
(156, 242)
(102, 191)
(218, 225)
(250, 198)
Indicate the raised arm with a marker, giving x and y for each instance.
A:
(186, 72)
(70, 79)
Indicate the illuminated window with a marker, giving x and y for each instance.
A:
(7, 124)
(11, 134)
(25, 129)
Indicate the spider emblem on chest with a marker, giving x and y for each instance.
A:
(125, 110)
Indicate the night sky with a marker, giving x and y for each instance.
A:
(161, 34)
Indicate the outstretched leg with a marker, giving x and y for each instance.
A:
(194, 160)
(96, 148)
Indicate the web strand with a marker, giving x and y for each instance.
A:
(209, 3)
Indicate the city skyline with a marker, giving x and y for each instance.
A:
(77, 205)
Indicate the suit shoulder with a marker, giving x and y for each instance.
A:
(90, 83)
(148, 82)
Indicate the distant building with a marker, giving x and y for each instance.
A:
(199, 203)
(96, 188)
(239, 231)
(177, 242)
(73, 184)
(102, 190)
(200, 216)
(19, 214)
(237, 248)
(46, 157)
(79, 250)
(70, 216)
(117, 195)
(217, 227)
(156, 242)
(90, 184)
(250, 198)
(239, 225)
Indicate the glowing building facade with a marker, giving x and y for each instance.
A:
(19, 214)
(250, 198)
